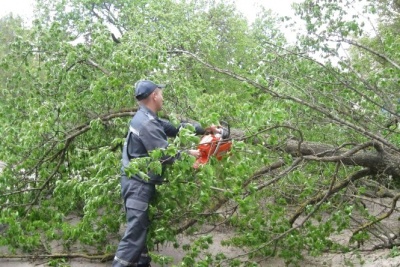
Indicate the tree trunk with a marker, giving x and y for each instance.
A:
(379, 160)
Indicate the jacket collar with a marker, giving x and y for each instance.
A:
(147, 111)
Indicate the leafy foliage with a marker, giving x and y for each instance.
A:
(316, 126)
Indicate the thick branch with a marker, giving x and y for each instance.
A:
(102, 257)
(378, 160)
(300, 101)
(352, 42)
(94, 64)
(224, 200)
(59, 155)
(379, 218)
(326, 194)
(104, 118)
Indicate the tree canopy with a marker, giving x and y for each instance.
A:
(314, 125)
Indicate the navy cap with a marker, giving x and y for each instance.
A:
(144, 88)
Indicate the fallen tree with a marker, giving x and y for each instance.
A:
(370, 155)
(317, 153)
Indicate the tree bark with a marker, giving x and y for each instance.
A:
(377, 159)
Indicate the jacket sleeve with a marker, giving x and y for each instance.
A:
(169, 129)
(172, 131)
(153, 136)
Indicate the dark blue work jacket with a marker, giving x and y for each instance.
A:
(146, 133)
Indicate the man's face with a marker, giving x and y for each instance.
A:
(158, 98)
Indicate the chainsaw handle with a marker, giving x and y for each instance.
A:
(194, 152)
(226, 130)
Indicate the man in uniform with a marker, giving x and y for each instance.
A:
(146, 133)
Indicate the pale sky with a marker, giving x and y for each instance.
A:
(282, 7)
(25, 7)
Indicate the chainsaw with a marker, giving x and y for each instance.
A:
(215, 142)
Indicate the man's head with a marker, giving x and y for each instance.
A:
(144, 88)
(149, 94)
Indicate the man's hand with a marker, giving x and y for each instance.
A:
(194, 152)
(213, 129)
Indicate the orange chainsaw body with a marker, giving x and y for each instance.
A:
(212, 145)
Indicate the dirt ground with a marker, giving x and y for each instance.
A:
(378, 258)
(375, 259)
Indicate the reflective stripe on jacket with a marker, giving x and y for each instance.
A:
(146, 133)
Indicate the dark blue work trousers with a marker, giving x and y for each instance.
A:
(132, 247)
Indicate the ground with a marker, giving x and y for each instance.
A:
(377, 258)
(380, 258)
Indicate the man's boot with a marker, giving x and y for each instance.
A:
(144, 260)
